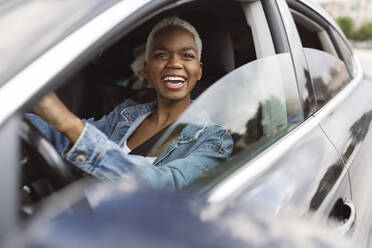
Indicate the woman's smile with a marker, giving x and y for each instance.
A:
(174, 82)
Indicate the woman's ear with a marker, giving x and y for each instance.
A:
(201, 70)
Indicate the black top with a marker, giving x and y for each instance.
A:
(146, 146)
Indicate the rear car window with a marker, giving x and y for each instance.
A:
(328, 71)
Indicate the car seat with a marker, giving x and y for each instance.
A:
(217, 52)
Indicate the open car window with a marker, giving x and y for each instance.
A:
(257, 103)
(245, 87)
(116, 73)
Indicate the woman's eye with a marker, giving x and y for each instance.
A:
(159, 55)
(189, 56)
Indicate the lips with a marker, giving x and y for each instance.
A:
(174, 82)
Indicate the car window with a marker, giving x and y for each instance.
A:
(346, 52)
(328, 71)
(258, 103)
(118, 71)
(245, 87)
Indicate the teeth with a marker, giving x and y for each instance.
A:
(174, 79)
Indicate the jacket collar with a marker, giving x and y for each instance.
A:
(195, 123)
(133, 111)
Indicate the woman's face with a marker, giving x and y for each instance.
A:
(173, 66)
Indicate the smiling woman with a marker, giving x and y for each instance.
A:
(115, 146)
(174, 48)
(173, 68)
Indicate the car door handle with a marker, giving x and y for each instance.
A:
(344, 211)
(349, 221)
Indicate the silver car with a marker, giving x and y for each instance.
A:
(279, 75)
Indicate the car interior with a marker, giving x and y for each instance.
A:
(116, 73)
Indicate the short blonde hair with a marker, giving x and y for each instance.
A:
(173, 21)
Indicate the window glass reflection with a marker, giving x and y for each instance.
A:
(257, 103)
(329, 74)
(347, 53)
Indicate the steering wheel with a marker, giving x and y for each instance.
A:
(41, 161)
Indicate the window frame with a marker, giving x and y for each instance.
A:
(324, 37)
(306, 90)
(353, 71)
(324, 23)
(316, 15)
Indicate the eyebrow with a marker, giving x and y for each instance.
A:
(188, 48)
(159, 48)
(165, 49)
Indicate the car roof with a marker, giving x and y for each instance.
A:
(30, 27)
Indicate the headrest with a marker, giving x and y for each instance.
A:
(218, 51)
(115, 61)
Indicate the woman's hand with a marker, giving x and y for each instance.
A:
(52, 110)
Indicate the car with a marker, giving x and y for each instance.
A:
(118, 215)
(278, 74)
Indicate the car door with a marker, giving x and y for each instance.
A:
(282, 156)
(345, 106)
(331, 72)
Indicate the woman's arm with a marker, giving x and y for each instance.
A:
(94, 153)
(97, 155)
(58, 139)
(53, 111)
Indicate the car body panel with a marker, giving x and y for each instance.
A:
(290, 173)
(349, 129)
(126, 218)
(360, 177)
(347, 125)
(42, 25)
(9, 173)
(68, 51)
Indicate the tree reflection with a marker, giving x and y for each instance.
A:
(358, 132)
(329, 79)
(326, 184)
(270, 118)
(360, 128)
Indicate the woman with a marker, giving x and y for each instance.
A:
(107, 148)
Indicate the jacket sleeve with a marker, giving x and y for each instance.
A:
(97, 155)
(56, 138)
(60, 141)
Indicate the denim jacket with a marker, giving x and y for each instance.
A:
(199, 147)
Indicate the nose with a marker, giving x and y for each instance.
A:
(174, 63)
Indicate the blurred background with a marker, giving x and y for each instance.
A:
(355, 19)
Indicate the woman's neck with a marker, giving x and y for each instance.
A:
(168, 111)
